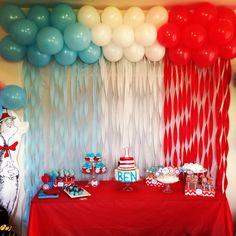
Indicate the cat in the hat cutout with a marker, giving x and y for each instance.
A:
(11, 131)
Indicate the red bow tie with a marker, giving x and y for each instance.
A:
(8, 148)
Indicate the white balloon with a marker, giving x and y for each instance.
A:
(134, 16)
(157, 16)
(123, 36)
(155, 52)
(101, 34)
(145, 34)
(111, 16)
(89, 16)
(134, 53)
(112, 52)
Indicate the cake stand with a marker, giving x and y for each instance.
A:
(94, 182)
(128, 187)
(167, 188)
(96, 167)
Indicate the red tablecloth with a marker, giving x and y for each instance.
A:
(145, 211)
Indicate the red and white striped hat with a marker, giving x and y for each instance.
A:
(5, 116)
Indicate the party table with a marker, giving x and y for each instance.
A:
(144, 211)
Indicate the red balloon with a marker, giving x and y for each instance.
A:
(168, 35)
(206, 55)
(179, 15)
(2, 85)
(226, 14)
(45, 178)
(205, 14)
(194, 36)
(179, 55)
(221, 32)
(228, 51)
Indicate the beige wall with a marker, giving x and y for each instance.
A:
(231, 171)
(10, 73)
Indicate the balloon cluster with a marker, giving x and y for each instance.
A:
(202, 33)
(65, 35)
(12, 97)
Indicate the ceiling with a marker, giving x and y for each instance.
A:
(121, 4)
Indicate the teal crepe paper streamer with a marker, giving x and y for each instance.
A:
(72, 81)
(86, 77)
(94, 109)
(79, 78)
(52, 89)
(31, 162)
(72, 125)
(64, 86)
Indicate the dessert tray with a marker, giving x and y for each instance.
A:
(81, 193)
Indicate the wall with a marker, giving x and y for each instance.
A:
(10, 73)
(231, 191)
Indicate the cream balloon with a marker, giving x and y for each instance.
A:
(145, 34)
(134, 16)
(111, 16)
(123, 36)
(89, 16)
(112, 52)
(157, 16)
(134, 53)
(101, 34)
(155, 52)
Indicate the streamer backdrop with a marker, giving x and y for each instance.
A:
(166, 114)
(92, 108)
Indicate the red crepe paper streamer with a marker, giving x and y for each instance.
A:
(196, 116)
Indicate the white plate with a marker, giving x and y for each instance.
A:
(197, 172)
(85, 194)
(161, 180)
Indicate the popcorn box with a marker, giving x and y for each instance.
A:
(190, 192)
(152, 181)
(208, 193)
(199, 192)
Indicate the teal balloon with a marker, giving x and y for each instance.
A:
(49, 40)
(62, 16)
(10, 50)
(66, 56)
(37, 58)
(13, 97)
(77, 36)
(23, 31)
(40, 15)
(91, 54)
(8, 14)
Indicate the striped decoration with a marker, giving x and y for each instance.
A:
(92, 108)
(166, 114)
(196, 117)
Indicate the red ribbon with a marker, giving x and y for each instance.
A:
(8, 148)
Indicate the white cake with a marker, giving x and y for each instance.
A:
(126, 163)
(127, 176)
(126, 170)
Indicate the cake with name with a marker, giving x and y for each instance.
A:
(126, 170)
